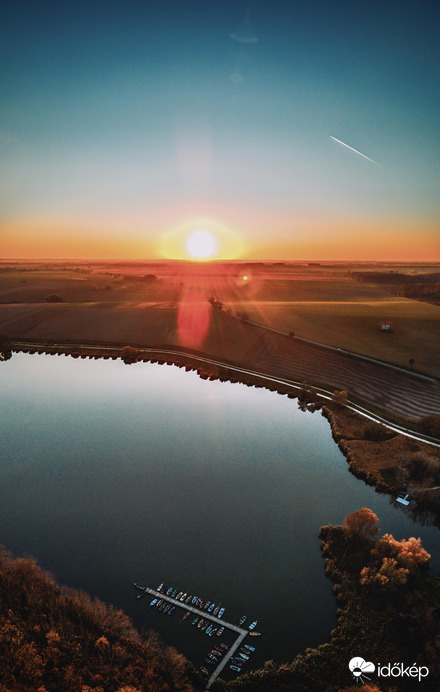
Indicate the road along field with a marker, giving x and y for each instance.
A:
(169, 306)
(348, 315)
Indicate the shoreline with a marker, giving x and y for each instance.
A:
(369, 459)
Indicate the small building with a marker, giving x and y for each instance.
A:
(385, 327)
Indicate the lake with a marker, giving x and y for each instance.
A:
(113, 474)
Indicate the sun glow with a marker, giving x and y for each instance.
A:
(201, 239)
(201, 245)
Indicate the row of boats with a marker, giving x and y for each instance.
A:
(243, 656)
(188, 599)
(195, 601)
(218, 651)
(205, 626)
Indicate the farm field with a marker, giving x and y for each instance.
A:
(167, 304)
(353, 326)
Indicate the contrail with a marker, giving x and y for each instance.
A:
(356, 151)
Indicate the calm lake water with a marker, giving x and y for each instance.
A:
(111, 474)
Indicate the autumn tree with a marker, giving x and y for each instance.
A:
(363, 524)
(420, 467)
(430, 425)
(376, 432)
(5, 347)
(393, 561)
(5, 341)
(340, 396)
(408, 553)
(387, 574)
(129, 354)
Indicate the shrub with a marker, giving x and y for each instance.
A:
(129, 354)
(340, 397)
(377, 432)
(430, 425)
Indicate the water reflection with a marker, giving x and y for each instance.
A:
(110, 475)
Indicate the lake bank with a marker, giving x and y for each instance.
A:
(370, 459)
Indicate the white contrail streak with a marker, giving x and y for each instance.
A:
(355, 151)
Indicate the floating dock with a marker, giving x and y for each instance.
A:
(241, 633)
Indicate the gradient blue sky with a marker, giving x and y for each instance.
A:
(125, 124)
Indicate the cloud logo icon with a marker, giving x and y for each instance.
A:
(359, 667)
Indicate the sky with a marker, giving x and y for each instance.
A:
(128, 125)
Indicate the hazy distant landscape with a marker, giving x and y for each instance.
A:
(140, 303)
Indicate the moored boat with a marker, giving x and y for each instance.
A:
(253, 625)
(255, 634)
(220, 612)
(153, 602)
(242, 620)
(160, 587)
(220, 631)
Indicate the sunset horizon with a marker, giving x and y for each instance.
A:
(294, 131)
(219, 345)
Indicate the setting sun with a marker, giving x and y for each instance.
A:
(201, 245)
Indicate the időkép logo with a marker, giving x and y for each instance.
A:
(359, 669)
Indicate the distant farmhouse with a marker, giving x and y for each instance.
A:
(385, 327)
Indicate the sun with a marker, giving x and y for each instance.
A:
(201, 245)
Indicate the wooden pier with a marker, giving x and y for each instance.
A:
(241, 633)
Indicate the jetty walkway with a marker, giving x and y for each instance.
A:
(241, 633)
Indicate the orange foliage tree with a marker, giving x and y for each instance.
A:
(363, 523)
(393, 561)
